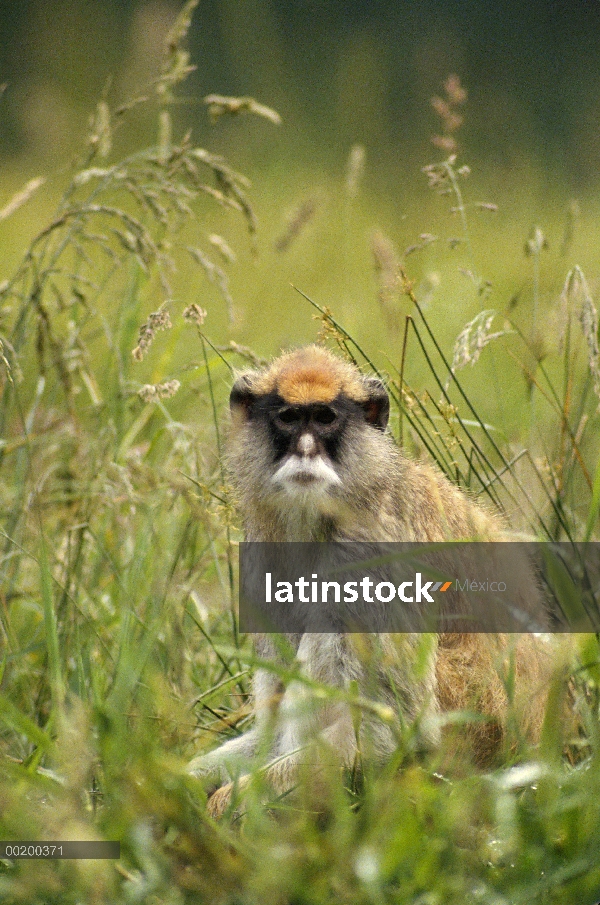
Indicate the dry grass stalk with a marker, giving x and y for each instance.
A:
(21, 197)
(153, 392)
(299, 217)
(158, 320)
(218, 106)
(473, 339)
(195, 314)
(451, 119)
(355, 169)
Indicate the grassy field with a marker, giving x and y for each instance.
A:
(122, 315)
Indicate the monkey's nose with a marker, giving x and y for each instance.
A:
(307, 445)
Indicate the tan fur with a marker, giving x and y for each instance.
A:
(310, 374)
(470, 669)
(381, 496)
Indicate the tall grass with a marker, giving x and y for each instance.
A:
(120, 656)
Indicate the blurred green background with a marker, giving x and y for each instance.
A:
(339, 74)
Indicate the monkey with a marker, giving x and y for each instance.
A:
(311, 459)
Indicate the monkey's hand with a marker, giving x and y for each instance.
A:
(224, 762)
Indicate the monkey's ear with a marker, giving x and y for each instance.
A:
(241, 396)
(377, 406)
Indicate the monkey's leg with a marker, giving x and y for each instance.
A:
(230, 759)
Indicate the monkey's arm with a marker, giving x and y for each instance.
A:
(224, 762)
(232, 758)
(310, 731)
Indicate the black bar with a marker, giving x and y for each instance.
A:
(46, 850)
(512, 586)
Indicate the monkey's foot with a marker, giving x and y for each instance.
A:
(220, 800)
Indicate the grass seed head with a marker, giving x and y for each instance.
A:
(158, 320)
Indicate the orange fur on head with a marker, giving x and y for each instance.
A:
(310, 375)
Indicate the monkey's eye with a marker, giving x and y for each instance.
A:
(289, 416)
(323, 414)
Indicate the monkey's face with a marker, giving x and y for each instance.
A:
(305, 443)
(301, 424)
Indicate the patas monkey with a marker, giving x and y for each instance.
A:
(310, 460)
